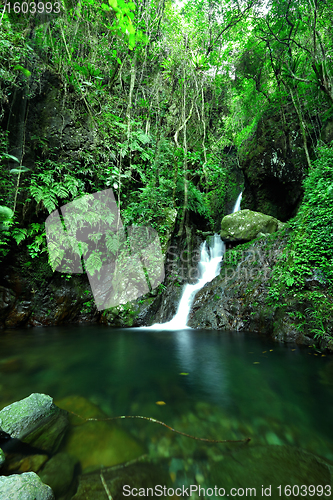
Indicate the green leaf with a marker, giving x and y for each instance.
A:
(19, 170)
(130, 29)
(25, 71)
(105, 7)
(9, 157)
(118, 60)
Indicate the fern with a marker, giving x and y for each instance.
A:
(49, 201)
(61, 191)
(95, 237)
(112, 242)
(19, 235)
(37, 192)
(93, 263)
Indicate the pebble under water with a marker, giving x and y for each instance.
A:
(209, 384)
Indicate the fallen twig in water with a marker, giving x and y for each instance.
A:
(107, 491)
(165, 425)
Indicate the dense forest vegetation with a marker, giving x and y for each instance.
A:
(170, 106)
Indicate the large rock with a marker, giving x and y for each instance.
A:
(26, 486)
(35, 420)
(246, 225)
(274, 164)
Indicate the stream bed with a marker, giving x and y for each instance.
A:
(208, 384)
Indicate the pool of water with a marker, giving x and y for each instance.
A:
(208, 384)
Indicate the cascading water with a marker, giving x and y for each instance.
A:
(209, 267)
(237, 206)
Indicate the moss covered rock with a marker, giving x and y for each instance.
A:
(246, 225)
(26, 486)
(35, 420)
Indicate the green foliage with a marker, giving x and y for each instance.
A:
(54, 183)
(308, 256)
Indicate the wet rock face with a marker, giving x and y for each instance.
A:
(274, 165)
(237, 298)
(26, 486)
(52, 123)
(246, 225)
(36, 421)
(36, 296)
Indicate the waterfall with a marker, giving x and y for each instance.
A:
(209, 267)
(237, 206)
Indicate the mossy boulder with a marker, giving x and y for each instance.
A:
(245, 225)
(35, 420)
(26, 486)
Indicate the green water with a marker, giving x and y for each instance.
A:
(215, 385)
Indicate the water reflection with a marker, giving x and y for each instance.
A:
(206, 367)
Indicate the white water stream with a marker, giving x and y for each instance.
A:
(237, 205)
(209, 267)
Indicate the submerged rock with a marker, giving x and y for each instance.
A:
(97, 443)
(30, 463)
(58, 473)
(35, 420)
(245, 225)
(144, 475)
(268, 467)
(26, 486)
(2, 458)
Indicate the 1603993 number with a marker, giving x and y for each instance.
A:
(305, 490)
(33, 7)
